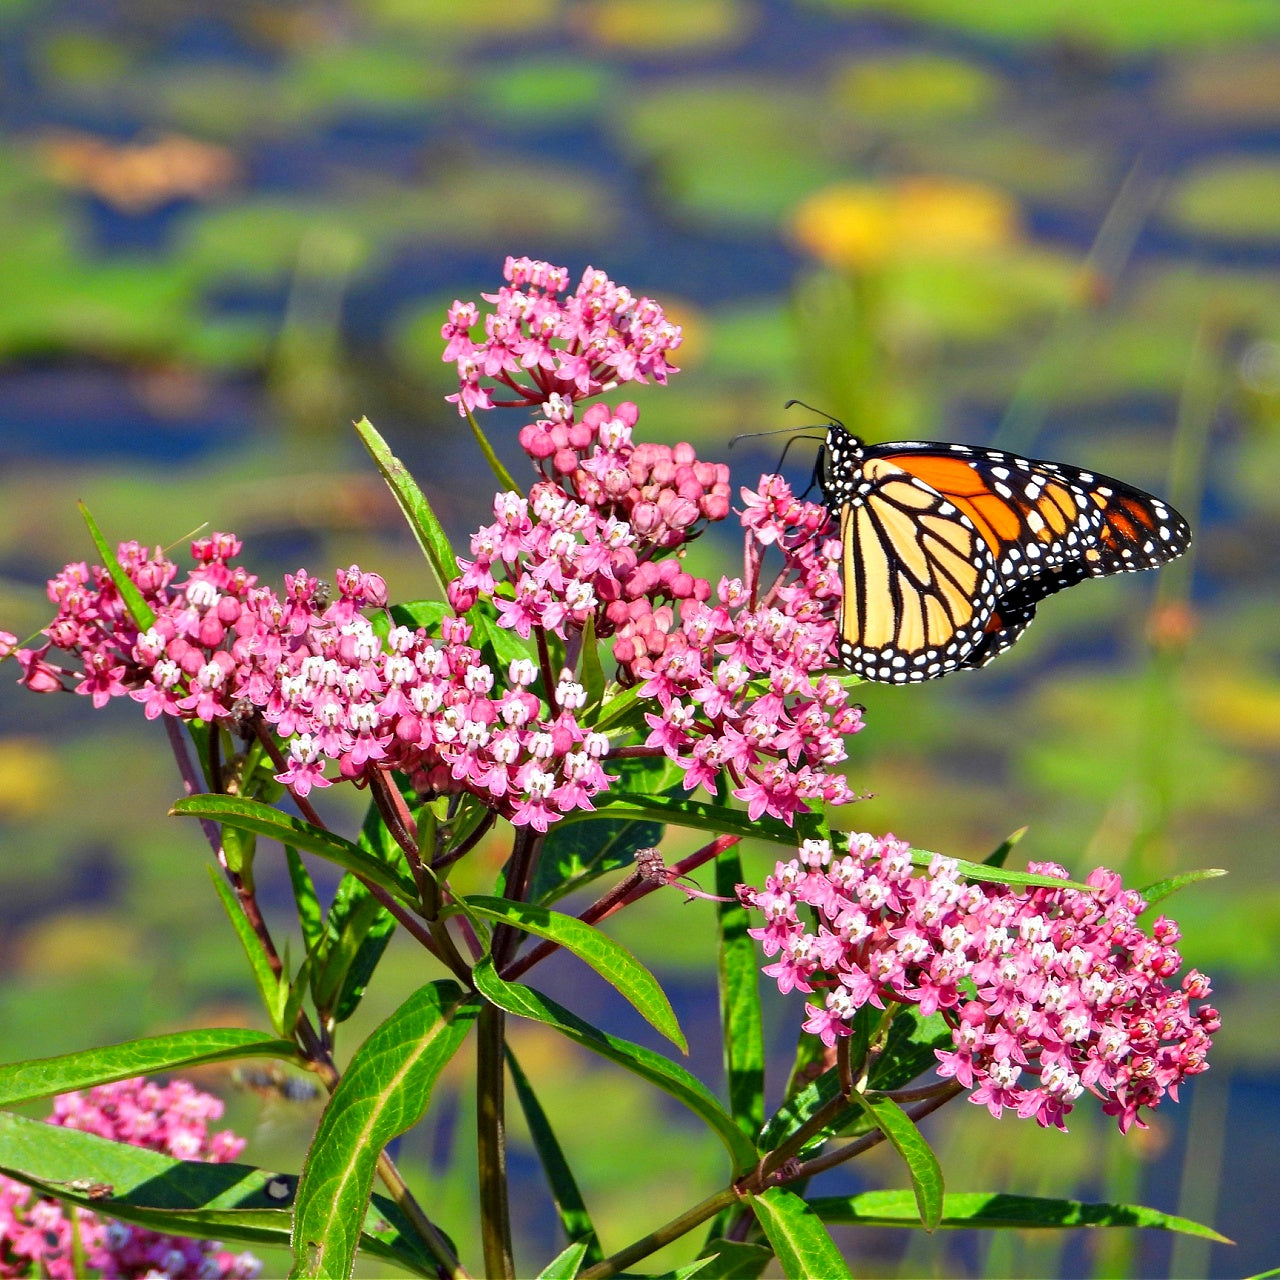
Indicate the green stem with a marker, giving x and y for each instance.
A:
(495, 1215)
(664, 1235)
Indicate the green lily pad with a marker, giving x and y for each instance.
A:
(1124, 28)
(543, 91)
(1236, 198)
(898, 92)
(663, 26)
(743, 163)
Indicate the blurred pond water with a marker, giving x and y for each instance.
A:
(228, 230)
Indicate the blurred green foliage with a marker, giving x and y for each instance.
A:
(1044, 212)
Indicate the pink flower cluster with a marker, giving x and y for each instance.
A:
(222, 648)
(738, 682)
(37, 1234)
(1048, 992)
(737, 679)
(538, 345)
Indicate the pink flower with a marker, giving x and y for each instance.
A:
(36, 1235)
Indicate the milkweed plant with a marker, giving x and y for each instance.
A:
(572, 693)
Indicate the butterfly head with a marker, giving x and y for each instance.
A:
(838, 464)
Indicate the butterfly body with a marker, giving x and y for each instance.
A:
(948, 549)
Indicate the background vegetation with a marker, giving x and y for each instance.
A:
(229, 229)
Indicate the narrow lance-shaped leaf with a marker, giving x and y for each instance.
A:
(680, 811)
(997, 875)
(734, 1259)
(686, 1088)
(45, 1077)
(577, 854)
(1000, 855)
(139, 610)
(233, 1203)
(500, 473)
(269, 985)
(610, 959)
(310, 916)
(251, 815)
(975, 1209)
(802, 1245)
(566, 1264)
(383, 1092)
(1162, 889)
(590, 672)
(908, 1141)
(426, 528)
(740, 1018)
(575, 1221)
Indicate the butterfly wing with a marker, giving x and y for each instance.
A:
(1024, 529)
(919, 580)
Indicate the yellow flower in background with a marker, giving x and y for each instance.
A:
(864, 225)
(28, 778)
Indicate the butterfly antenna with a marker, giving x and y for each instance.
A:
(755, 435)
(830, 417)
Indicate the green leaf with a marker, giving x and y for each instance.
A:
(610, 959)
(996, 875)
(1165, 888)
(234, 1203)
(680, 811)
(251, 815)
(590, 672)
(734, 1260)
(577, 853)
(908, 1141)
(798, 1237)
(45, 1077)
(413, 504)
(909, 1048)
(358, 930)
(565, 1265)
(273, 991)
(619, 709)
(499, 644)
(686, 1088)
(740, 1017)
(971, 1209)
(140, 611)
(383, 1092)
(500, 473)
(575, 1221)
(427, 614)
(999, 856)
(310, 916)
(801, 1107)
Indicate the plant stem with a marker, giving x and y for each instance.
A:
(628, 890)
(313, 1048)
(398, 820)
(829, 1160)
(495, 1216)
(664, 1235)
(524, 855)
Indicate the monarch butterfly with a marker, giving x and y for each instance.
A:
(947, 549)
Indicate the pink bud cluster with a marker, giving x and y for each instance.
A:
(663, 492)
(1048, 992)
(38, 1235)
(739, 681)
(538, 344)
